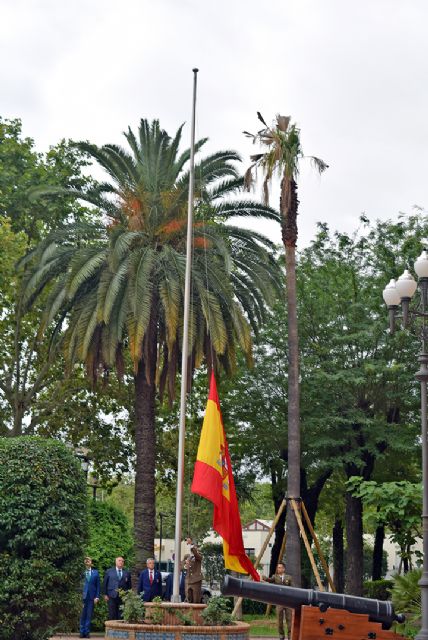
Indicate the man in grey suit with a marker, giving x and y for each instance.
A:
(114, 579)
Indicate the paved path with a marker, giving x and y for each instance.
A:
(96, 635)
(73, 636)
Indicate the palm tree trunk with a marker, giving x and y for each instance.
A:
(145, 446)
(289, 204)
(145, 449)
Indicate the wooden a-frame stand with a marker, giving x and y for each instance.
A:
(295, 506)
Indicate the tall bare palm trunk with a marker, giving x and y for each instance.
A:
(289, 205)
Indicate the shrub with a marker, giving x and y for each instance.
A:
(406, 598)
(132, 606)
(378, 589)
(253, 607)
(110, 536)
(217, 612)
(43, 526)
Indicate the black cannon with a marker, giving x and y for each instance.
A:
(294, 598)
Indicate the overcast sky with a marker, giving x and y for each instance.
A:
(353, 75)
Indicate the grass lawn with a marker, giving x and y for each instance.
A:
(261, 625)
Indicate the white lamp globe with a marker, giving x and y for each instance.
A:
(406, 285)
(421, 265)
(391, 295)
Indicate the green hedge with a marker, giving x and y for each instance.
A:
(110, 536)
(43, 527)
(378, 589)
(253, 607)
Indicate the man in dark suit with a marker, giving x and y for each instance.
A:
(150, 582)
(90, 595)
(114, 579)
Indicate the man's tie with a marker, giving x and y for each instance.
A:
(151, 577)
(88, 574)
(119, 574)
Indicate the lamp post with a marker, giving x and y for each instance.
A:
(398, 293)
(161, 517)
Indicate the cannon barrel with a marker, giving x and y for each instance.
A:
(292, 597)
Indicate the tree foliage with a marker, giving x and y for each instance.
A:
(359, 411)
(397, 506)
(26, 363)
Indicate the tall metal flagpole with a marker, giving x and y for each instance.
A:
(184, 360)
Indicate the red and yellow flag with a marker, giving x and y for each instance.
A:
(213, 480)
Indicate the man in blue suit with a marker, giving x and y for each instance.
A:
(150, 582)
(114, 579)
(91, 595)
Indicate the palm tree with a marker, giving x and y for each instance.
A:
(120, 284)
(282, 156)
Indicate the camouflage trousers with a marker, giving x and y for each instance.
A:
(194, 592)
(280, 613)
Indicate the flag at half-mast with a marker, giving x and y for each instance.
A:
(213, 480)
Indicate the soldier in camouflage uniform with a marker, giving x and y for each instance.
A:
(282, 578)
(193, 564)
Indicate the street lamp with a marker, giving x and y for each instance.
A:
(82, 454)
(398, 293)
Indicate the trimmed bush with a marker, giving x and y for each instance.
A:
(43, 526)
(110, 536)
(378, 589)
(253, 607)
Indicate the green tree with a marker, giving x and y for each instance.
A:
(22, 169)
(26, 364)
(396, 506)
(283, 155)
(43, 528)
(358, 407)
(122, 283)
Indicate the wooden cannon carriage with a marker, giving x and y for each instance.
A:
(319, 614)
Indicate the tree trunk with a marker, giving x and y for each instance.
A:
(276, 547)
(378, 553)
(289, 205)
(311, 494)
(405, 564)
(293, 485)
(338, 556)
(145, 448)
(354, 538)
(17, 419)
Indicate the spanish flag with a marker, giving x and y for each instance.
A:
(213, 480)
